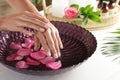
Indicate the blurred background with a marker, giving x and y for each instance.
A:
(6, 9)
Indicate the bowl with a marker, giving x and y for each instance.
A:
(79, 44)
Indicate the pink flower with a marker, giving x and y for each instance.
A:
(71, 12)
(22, 64)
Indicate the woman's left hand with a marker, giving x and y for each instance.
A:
(50, 41)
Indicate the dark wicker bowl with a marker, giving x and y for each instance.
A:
(79, 44)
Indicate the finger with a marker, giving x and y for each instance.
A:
(38, 16)
(57, 35)
(20, 29)
(34, 21)
(59, 39)
(44, 43)
(56, 42)
(37, 42)
(51, 43)
(30, 25)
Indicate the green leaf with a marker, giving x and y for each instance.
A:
(90, 11)
(98, 12)
(116, 32)
(75, 6)
(86, 10)
(81, 10)
(112, 43)
(94, 18)
(116, 58)
(38, 1)
(118, 29)
(112, 46)
(85, 20)
(78, 16)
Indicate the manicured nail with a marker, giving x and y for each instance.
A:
(61, 46)
(48, 54)
(42, 30)
(59, 54)
(55, 56)
(46, 26)
(45, 19)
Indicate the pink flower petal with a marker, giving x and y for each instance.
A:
(14, 45)
(38, 55)
(11, 57)
(17, 57)
(32, 62)
(42, 51)
(54, 65)
(22, 64)
(29, 42)
(47, 60)
(27, 45)
(14, 57)
(24, 52)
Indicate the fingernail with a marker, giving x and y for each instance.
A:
(48, 54)
(61, 46)
(42, 30)
(59, 54)
(46, 26)
(46, 20)
(55, 56)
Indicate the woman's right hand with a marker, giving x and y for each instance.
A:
(17, 22)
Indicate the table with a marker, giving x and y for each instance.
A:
(97, 67)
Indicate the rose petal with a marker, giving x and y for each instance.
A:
(14, 45)
(29, 40)
(42, 51)
(54, 65)
(11, 57)
(47, 60)
(22, 64)
(27, 45)
(38, 55)
(24, 52)
(17, 57)
(14, 57)
(32, 62)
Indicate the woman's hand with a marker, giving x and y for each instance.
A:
(50, 41)
(45, 33)
(17, 22)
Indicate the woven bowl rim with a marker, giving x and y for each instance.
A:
(61, 69)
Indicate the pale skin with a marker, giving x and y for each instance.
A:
(45, 33)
